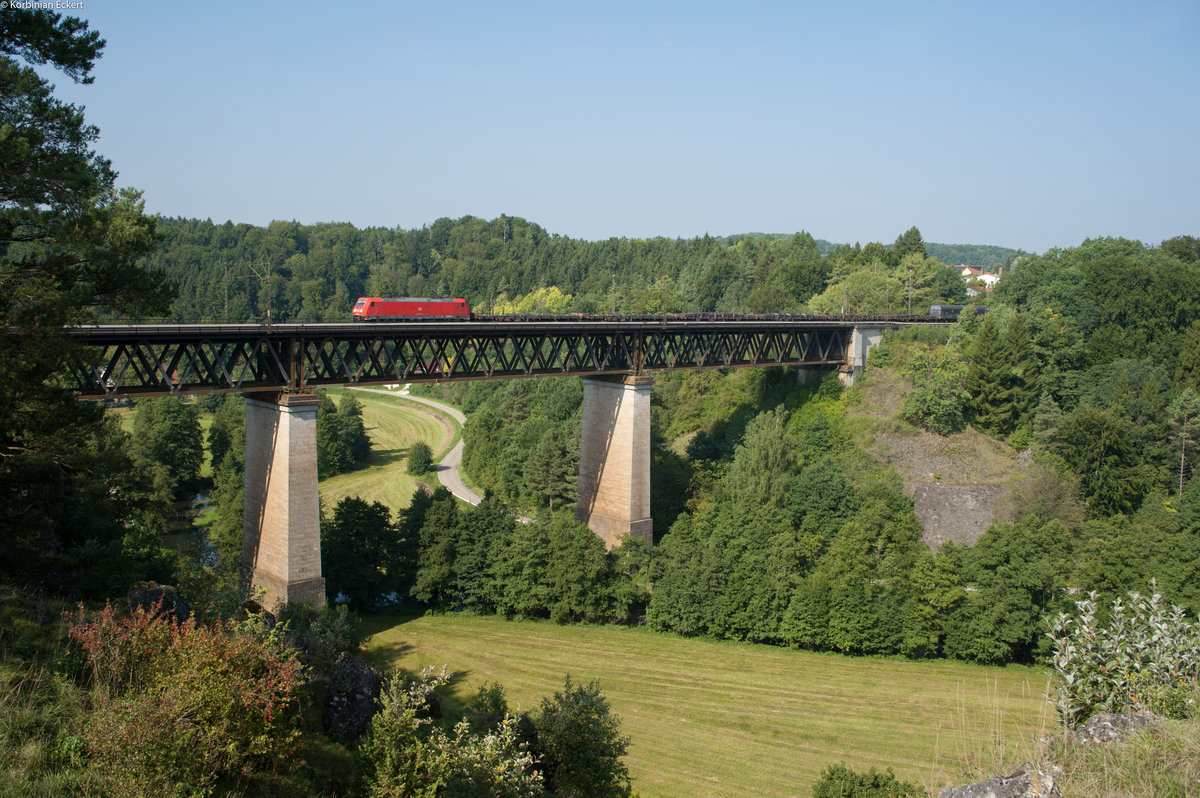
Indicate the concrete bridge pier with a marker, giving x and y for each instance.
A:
(281, 527)
(614, 458)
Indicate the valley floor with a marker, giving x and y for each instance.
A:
(709, 718)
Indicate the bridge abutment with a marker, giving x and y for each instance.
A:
(281, 527)
(861, 341)
(614, 458)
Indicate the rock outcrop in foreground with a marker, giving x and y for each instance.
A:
(1023, 782)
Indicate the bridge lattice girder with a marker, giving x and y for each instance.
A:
(149, 360)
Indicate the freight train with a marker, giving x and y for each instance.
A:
(374, 308)
(954, 311)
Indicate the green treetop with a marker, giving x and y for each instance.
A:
(909, 243)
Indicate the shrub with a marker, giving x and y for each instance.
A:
(938, 397)
(420, 458)
(1147, 656)
(840, 781)
(489, 699)
(183, 709)
(406, 755)
(330, 631)
(581, 745)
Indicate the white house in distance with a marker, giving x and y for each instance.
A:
(973, 273)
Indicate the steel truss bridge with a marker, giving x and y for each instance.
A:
(147, 360)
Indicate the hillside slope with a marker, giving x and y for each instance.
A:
(956, 481)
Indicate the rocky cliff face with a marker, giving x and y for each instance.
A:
(961, 513)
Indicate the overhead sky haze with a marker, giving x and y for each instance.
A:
(1021, 124)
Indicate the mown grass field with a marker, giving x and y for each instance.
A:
(393, 425)
(708, 718)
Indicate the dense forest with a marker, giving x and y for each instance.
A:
(315, 272)
(984, 256)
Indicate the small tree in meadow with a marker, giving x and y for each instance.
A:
(581, 744)
(420, 458)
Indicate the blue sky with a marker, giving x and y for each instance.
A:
(1022, 124)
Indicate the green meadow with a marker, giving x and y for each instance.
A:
(708, 718)
(393, 424)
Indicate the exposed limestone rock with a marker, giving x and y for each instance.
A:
(961, 513)
(159, 600)
(1024, 782)
(1110, 727)
(352, 699)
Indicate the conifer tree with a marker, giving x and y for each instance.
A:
(551, 472)
(908, 243)
(167, 432)
(1184, 417)
(70, 242)
(1021, 378)
(1046, 419)
(985, 379)
(1187, 372)
(436, 574)
(359, 552)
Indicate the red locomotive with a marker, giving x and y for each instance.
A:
(374, 308)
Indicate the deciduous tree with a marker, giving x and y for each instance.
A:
(939, 398)
(167, 431)
(420, 458)
(1187, 371)
(1100, 446)
(581, 744)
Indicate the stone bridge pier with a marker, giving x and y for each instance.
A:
(614, 458)
(281, 526)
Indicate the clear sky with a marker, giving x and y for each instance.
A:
(1021, 124)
